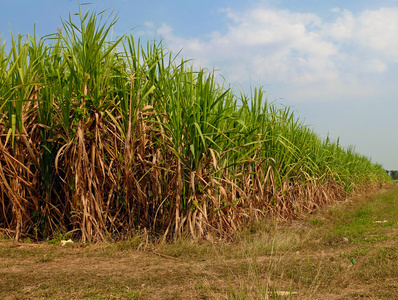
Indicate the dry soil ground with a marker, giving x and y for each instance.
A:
(348, 251)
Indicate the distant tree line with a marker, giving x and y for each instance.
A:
(393, 174)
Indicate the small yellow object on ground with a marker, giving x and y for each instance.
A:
(64, 242)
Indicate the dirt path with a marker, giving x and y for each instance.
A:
(343, 253)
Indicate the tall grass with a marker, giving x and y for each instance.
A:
(99, 136)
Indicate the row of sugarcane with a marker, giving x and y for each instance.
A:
(99, 138)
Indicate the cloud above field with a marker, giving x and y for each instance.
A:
(300, 52)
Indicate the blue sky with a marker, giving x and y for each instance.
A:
(335, 62)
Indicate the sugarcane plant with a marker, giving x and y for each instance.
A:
(99, 137)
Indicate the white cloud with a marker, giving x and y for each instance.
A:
(176, 43)
(374, 31)
(378, 30)
(343, 27)
(376, 65)
(149, 24)
(299, 51)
